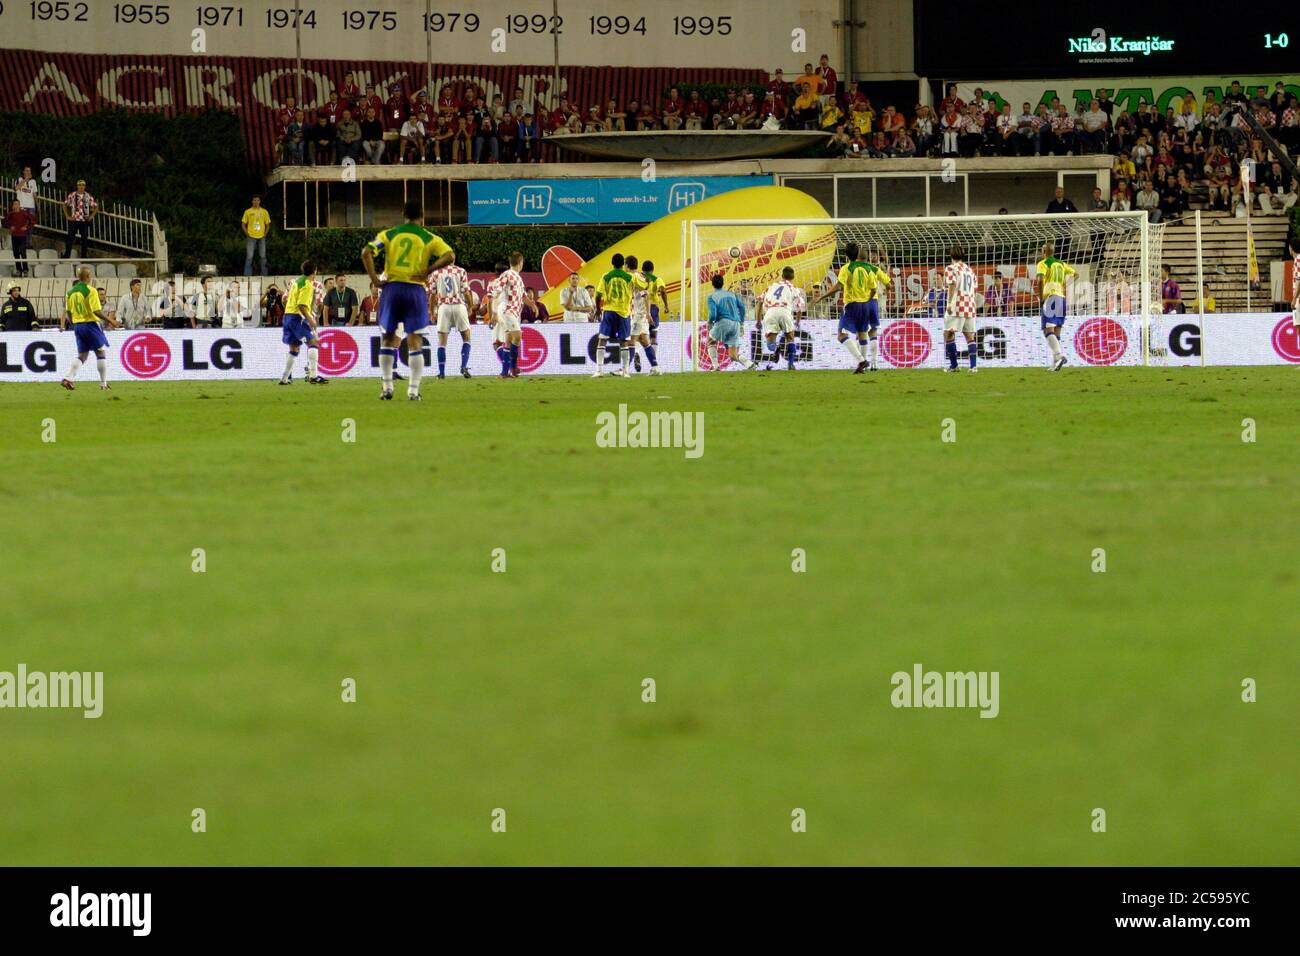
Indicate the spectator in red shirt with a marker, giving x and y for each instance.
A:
(284, 115)
(777, 84)
(773, 106)
(332, 110)
(395, 109)
(19, 222)
(828, 76)
(952, 103)
(448, 101)
(350, 93)
(370, 101)
(747, 112)
(697, 111)
(673, 108)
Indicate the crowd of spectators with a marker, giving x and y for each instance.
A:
(1162, 161)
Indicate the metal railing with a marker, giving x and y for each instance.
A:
(116, 225)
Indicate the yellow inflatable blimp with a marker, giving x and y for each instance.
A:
(756, 253)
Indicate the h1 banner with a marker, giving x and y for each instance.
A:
(560, 348)
(505, 202)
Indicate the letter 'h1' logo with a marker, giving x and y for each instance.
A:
(532, 202)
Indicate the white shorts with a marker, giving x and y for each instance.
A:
(507, 324)
(640, 325)
(955, 323)
(777, 320)
(453, 316)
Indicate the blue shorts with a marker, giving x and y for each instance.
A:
(89, 337)
(858, 317)
(725, 332)
(615, 326)
(295, 330)
(1053, 312)
(405, 304)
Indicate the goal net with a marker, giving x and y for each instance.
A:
(1113, 302)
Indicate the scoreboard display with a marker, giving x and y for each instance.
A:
(712, 33)
(1021, 39)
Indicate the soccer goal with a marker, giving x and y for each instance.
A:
(1113, 302)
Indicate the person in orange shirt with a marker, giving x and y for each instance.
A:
(809, 86)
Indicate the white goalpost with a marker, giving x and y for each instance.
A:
(1113, 302)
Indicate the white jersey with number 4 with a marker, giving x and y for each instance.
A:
(785, 295)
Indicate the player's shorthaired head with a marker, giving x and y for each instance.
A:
(648, 266)
(630, 262)
(957, 253)
(412, 211)
(516, 260)
(851, 251)
(788, 273)
(1048, 249)
(717, 281)
(308, 267)
(84, 273)
(616, 260)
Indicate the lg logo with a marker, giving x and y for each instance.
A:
(338, 352)
(146, 355)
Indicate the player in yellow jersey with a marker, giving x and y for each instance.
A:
(614, 302)
(858, 281)
(410, 252)
(1049, 284)
(299, 325)
(84, 311)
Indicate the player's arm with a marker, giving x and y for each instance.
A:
(1039, 275)
(110, 320)
(64, 320)
(836, 287)
(368, 260)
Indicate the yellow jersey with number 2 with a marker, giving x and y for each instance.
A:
(408, 250)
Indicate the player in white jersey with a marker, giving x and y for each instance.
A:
(1295, 286)
(961, 284)
(449, 290)
(510, 291)
(776, 311)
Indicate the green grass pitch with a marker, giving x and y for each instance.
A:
(522, 690)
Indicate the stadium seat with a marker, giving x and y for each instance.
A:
(42, 271)
(6, 271)
(47, 254)
(126, 270)
(106, 270)
(65, 270)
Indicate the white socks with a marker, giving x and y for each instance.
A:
(102, 366)
(874, 348)
(713, 355)
(386, 368)
(288, 368)
(73, 369)
(415, 362)
(624, 355)
(852, 345)
(311, 362)
(1054, 344)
